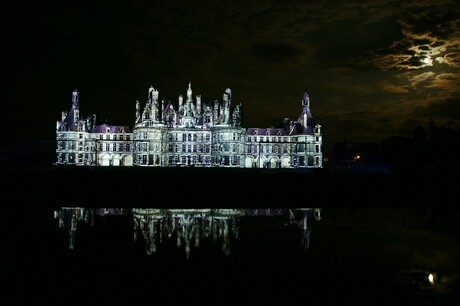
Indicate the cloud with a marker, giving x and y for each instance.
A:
(428, 31)
(394, 89)
(451, 59)
(446, 82)
(421, 78)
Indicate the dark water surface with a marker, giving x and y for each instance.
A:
(359, 254)
(379, 256)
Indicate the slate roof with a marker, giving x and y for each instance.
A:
(102, 128)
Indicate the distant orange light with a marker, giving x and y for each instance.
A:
(357, 157)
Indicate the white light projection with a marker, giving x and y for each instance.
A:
(193, 134)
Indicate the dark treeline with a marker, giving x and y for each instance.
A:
(429, 148)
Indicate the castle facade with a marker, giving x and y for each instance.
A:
(192, 133)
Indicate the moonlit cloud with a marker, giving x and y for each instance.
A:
(428, 31)
(447, 82)
(421, 79)
(394, 89)
(451, 59)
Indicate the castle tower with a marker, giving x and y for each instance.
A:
(189, 92)
(305, 108)
(188, 110)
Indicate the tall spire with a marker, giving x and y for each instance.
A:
(305, 100)
(75, 99)
(151, 90)
(189, 91)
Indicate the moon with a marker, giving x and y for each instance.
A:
(426, 60)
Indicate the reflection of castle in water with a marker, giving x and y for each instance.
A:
(188, 227)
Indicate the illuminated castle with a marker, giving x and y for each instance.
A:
(195, 134)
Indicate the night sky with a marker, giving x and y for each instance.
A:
(372, 68)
